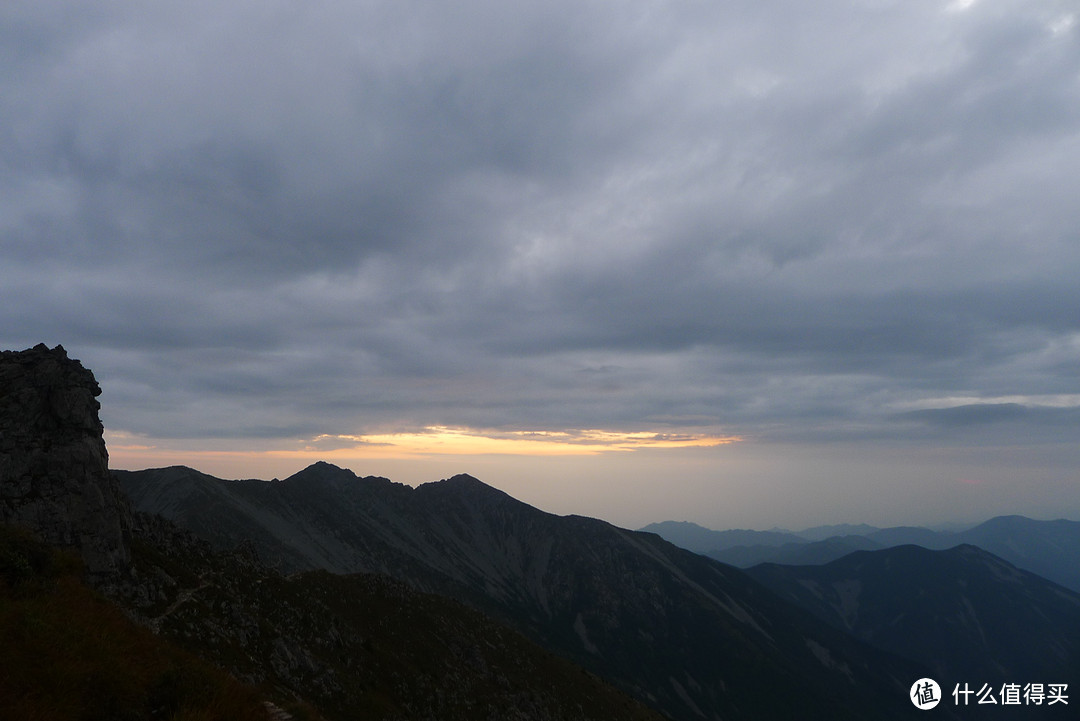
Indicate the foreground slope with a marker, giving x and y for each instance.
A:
(70, 654)
(690, 636)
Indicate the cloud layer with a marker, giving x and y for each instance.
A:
(783, 221)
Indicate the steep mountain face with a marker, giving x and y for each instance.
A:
(966, 613)
(54, 475)
(690, 636)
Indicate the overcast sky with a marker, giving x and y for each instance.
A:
(752, 263)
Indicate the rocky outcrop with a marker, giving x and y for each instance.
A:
(54, 472)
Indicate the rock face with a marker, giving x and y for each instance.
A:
(54, 474)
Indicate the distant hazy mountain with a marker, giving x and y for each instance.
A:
(914, 535)
(703, 540)
(966, 613)
(1050, 549)
(692, 637)
(799, 554)
(820, 533)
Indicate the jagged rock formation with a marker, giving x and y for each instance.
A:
(54, 469)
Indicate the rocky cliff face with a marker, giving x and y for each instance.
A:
(54, 475)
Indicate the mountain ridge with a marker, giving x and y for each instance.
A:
(1050, 549)
(673, 628)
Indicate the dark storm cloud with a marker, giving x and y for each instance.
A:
(780, 219)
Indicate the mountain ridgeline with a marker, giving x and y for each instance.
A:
(1050, 549)
(692, 637)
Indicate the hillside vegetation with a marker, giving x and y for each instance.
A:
(68, 653)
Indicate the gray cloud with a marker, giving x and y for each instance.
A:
(785, 220)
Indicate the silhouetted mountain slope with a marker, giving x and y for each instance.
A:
(691, 636)
(968, 614)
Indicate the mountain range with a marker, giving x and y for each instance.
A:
(689, 636)
(1050, 549)
(168, 593)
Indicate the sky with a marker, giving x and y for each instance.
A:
(748, 264)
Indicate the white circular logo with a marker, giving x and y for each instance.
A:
(925, 694)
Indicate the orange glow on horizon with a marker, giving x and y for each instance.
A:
(441, 440)
(431, 441)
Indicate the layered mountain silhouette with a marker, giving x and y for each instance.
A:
(690, 636)
(699, 539)
(1050, 549)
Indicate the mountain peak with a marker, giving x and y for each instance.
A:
(326, 467)
(463, 479)
(463, 485)
(322, 472)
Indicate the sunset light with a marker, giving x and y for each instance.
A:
(440, 440)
